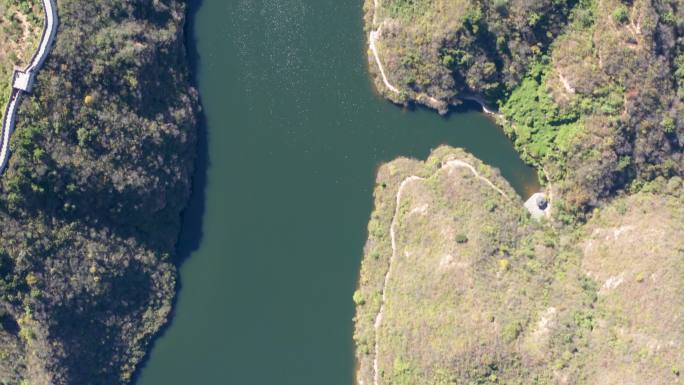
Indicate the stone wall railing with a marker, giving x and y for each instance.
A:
(22, 80)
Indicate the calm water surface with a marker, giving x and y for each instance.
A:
(275, 234)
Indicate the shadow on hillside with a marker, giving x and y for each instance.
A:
(192, 232)
(191, 224)
(465, 106)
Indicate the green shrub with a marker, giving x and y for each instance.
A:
(538, 127)
(501, 6)
(621, 14)
(512, 330)
(358, 298)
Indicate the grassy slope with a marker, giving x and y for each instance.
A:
(518, 303)
(20, 28)
(634, 250)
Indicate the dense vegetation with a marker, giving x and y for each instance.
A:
(602, 111)
(89, 207)
(446, 48)
(591, 91)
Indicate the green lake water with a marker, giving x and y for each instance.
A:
(292, 136)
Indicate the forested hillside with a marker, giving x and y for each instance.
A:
(590, 90)
(89, 206)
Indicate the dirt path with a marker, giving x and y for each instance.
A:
(25, 35)
(430, 101)
(19, 46)
(27, 30)
(566, 84)
(372, 44)
(456, 163)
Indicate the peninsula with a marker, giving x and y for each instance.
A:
(459, 282)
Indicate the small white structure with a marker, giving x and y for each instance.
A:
(538, 206)
(22, 80)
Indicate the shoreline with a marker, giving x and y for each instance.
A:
(379, 75)
(366, 368)
(449, 164)
(428, 101)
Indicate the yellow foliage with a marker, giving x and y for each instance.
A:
(31, 279)
(504, 264)
(89, 99)
(640, 277)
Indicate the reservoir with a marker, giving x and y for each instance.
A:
(292, 135)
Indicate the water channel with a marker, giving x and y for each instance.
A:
(293, 133)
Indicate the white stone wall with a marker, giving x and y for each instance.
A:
(22, 81)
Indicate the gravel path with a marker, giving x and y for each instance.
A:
(372, 44)
(431, 101)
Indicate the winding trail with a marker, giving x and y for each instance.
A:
(22, 80)
(456, 163)
(371, 43)
(373, 46)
